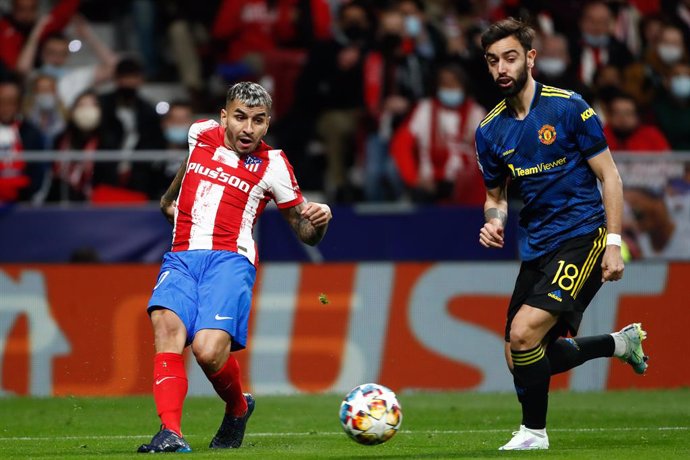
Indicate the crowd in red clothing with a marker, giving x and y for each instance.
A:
(373, 100)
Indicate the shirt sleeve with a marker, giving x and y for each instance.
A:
(587, 128)
(282, 182)
(494, 175)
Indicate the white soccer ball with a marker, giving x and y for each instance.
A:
(370, 414)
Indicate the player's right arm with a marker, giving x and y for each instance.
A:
(168, 199)
(495, 216)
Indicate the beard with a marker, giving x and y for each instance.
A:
(518, 84)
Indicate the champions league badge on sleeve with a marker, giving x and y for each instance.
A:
(252, 163)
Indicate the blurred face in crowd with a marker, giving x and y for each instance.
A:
(679, 81)
(45, 92)
(354, 23)
(176, 124)
(623, 117)
(413, 17)
(450, 93)
(595, 24)
(391, 30)
(9, 102)
(553, 57)
(55, 52)
(244, 126)
(25, 11)
(509, 65)
(86, 112)
(670, 47)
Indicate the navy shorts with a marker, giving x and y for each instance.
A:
(207, 289)
(563, 281)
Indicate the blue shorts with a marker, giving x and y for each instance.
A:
(207, 290)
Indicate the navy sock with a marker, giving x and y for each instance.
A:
(532, 375)
(564, 354)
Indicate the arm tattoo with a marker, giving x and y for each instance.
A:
(495, 213)
(305, 231)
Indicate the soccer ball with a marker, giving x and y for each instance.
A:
(370, 414)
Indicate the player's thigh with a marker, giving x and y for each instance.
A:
(175, 291)
(225, 296)
(529, 327)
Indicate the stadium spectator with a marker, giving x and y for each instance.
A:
(608, 82)
(16, 26)
(248, 29)
(135, 124)
(395, 77)
(644, 79)
(597, 45)
(211, 267)
(672, 107)
(18, 181)
(54, 59)
(426, 38)
(75, 180)
(434, 147)
(554, 67)
(679, 10)
(330, 93)
(176, 123)
(624, 131)
(43, 108)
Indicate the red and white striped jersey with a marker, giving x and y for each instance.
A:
(223, 193)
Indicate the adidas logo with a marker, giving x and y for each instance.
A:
(556, 295)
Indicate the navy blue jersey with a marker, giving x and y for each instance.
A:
(545, 155)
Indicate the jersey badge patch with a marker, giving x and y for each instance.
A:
(547, 134)
(252, 163)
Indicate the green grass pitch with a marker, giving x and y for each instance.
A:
(613, 425)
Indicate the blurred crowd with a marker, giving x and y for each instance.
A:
(373, 100)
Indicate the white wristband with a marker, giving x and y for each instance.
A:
(613, 239)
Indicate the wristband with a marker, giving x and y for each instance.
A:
(613, 239)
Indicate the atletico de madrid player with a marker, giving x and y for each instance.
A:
(204, 290)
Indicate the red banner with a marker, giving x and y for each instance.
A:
(83, 330)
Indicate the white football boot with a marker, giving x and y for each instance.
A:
(527, 439)
(633, 335)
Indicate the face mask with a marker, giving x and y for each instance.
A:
(669, 53)
(87, 117)
(551, 66)
(355, 32)
(53, 71)
(46, 101)
(680, 86)
(176, 134)
(450, 97)
(413, 26)
(597, 41)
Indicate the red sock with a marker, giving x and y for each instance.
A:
(226, 382)
(169, 389)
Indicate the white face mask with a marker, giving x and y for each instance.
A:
(551, 66)
(87, 117)
(670, 54)
(46, 101)
(680, 86)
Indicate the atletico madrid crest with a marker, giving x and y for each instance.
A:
(547, 134)
(252, 163)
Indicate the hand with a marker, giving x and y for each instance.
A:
(317, 214)
(491, 234)
(348, 57)
(397, 105)
(612, 265)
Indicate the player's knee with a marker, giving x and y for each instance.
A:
(522, 337)
(210, 355)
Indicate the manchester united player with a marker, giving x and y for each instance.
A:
(204, 290)
(551, 145)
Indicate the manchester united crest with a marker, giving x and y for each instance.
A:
(547, 134)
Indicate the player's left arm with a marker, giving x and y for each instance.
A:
(612, 188)
(168, 199)
(309, 221)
